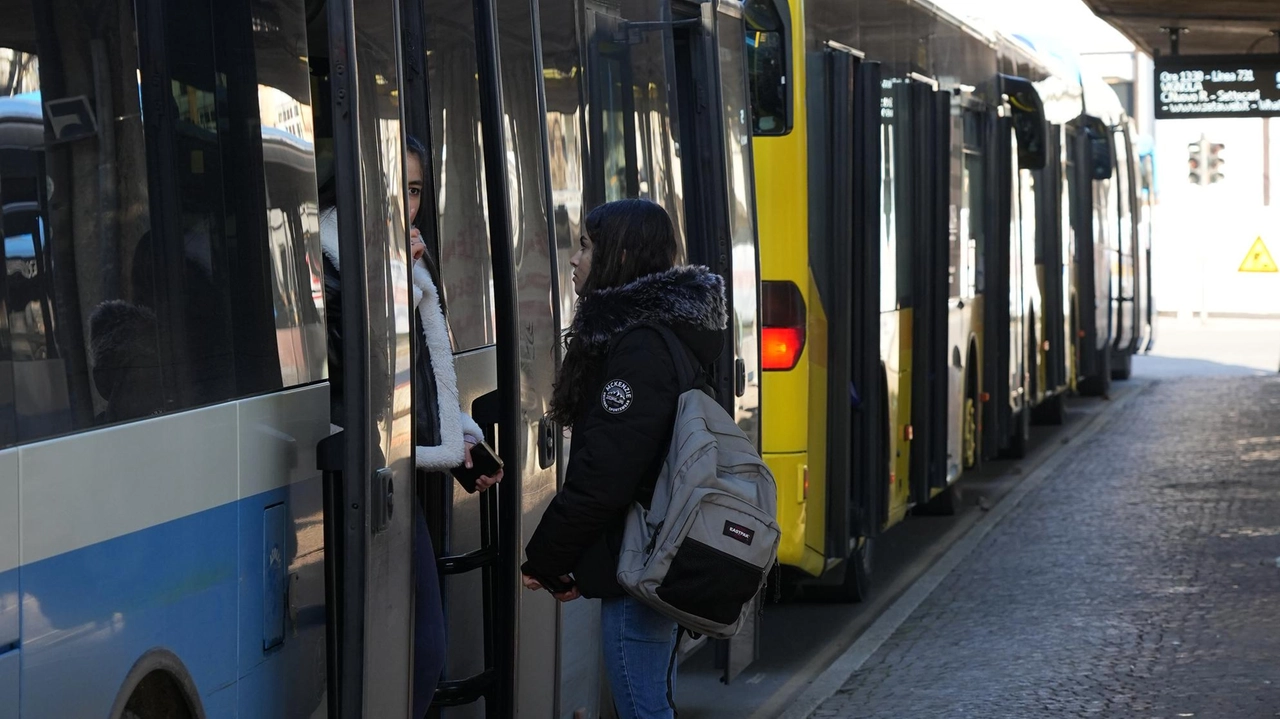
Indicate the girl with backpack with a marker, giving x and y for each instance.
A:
(618, 389)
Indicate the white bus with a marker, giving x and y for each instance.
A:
(180, 533)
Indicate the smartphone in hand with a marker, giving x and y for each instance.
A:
(484, 463)
(555, 585)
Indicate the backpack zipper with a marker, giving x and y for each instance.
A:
(653, 541)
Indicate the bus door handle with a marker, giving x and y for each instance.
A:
(548, 440)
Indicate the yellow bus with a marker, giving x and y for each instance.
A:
(923, 233)
(851, 189)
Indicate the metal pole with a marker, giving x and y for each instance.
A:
(1204, 279)
(1266, 162)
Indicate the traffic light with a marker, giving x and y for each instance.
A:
(1195, 163)
(1215, 162)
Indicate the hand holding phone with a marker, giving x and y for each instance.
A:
(484, 463)
(563, 588)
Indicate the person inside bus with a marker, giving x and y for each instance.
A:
(618, 389)
(444, 434)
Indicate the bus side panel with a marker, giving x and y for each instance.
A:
(820, 472)
(534, 334)
(282, 586)
(895, 345)
(782, 215)
(9, 601)
(140, 557)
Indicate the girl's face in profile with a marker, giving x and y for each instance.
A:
(413, 169)
(581, 262)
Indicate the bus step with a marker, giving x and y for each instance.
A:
(463, 563)
(464, 691)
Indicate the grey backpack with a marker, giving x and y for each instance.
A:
(703, 549)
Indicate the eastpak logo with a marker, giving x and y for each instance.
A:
(739, 532)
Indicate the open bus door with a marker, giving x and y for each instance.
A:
(369, 466)
(929, 175)
(715, 132)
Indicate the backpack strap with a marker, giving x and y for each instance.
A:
(680, 357)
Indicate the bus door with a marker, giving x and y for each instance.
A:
(927, 173)
(369, 465)
(966, 308)
(1049, 258)
(858, 457)
(1003, 294)
(1128, 303)
(473, 91)
(1094, 166)
(713, 108)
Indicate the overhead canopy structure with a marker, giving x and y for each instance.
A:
(1220, 27)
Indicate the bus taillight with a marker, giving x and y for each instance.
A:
(783, 320)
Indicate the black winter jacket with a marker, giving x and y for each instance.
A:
(620, 439)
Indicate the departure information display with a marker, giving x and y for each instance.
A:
(1189, 86)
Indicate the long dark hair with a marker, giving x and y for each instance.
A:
(630, 239)
(417, 149)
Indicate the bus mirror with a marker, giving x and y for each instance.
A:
(1101, 157)
(1028, 122)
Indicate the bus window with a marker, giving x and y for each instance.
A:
(169, 257)
(466, 260)
(767, 50)
(630, 117)
(888, 219)
(972, 201)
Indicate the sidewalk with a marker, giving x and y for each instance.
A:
(1139, 579)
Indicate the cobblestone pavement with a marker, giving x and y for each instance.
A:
(1141, 580)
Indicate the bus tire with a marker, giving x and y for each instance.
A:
(971, 410)
(1122, 366)
(1098, 385)
(1052, 411)
(856, 586)
(944, 504)
(1020, 442)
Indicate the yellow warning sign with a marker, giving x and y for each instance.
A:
(1258, 259)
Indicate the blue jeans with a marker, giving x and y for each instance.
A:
(428, 619)
(637, 652)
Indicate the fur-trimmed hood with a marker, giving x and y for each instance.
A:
(690, 300)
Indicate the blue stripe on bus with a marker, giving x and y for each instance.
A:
(8, 609)
(192, 586)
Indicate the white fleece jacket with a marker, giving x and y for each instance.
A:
(456, 426)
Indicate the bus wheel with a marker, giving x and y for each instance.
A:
(856, 586)
(1020, 443)
(1122, 369)
(1097, 385)
(970, 433)
(944, 504)
(1051, 411)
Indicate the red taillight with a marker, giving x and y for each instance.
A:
(783, 321)
(782, 347)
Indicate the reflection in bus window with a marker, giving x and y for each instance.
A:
(888, 220)
(630, 118)
(168, 257)
(973, 195)
(766, 67)
(466, 258)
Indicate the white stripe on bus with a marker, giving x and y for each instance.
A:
(95, 486)
(9, 537)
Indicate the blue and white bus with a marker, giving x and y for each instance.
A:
(182, 534)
